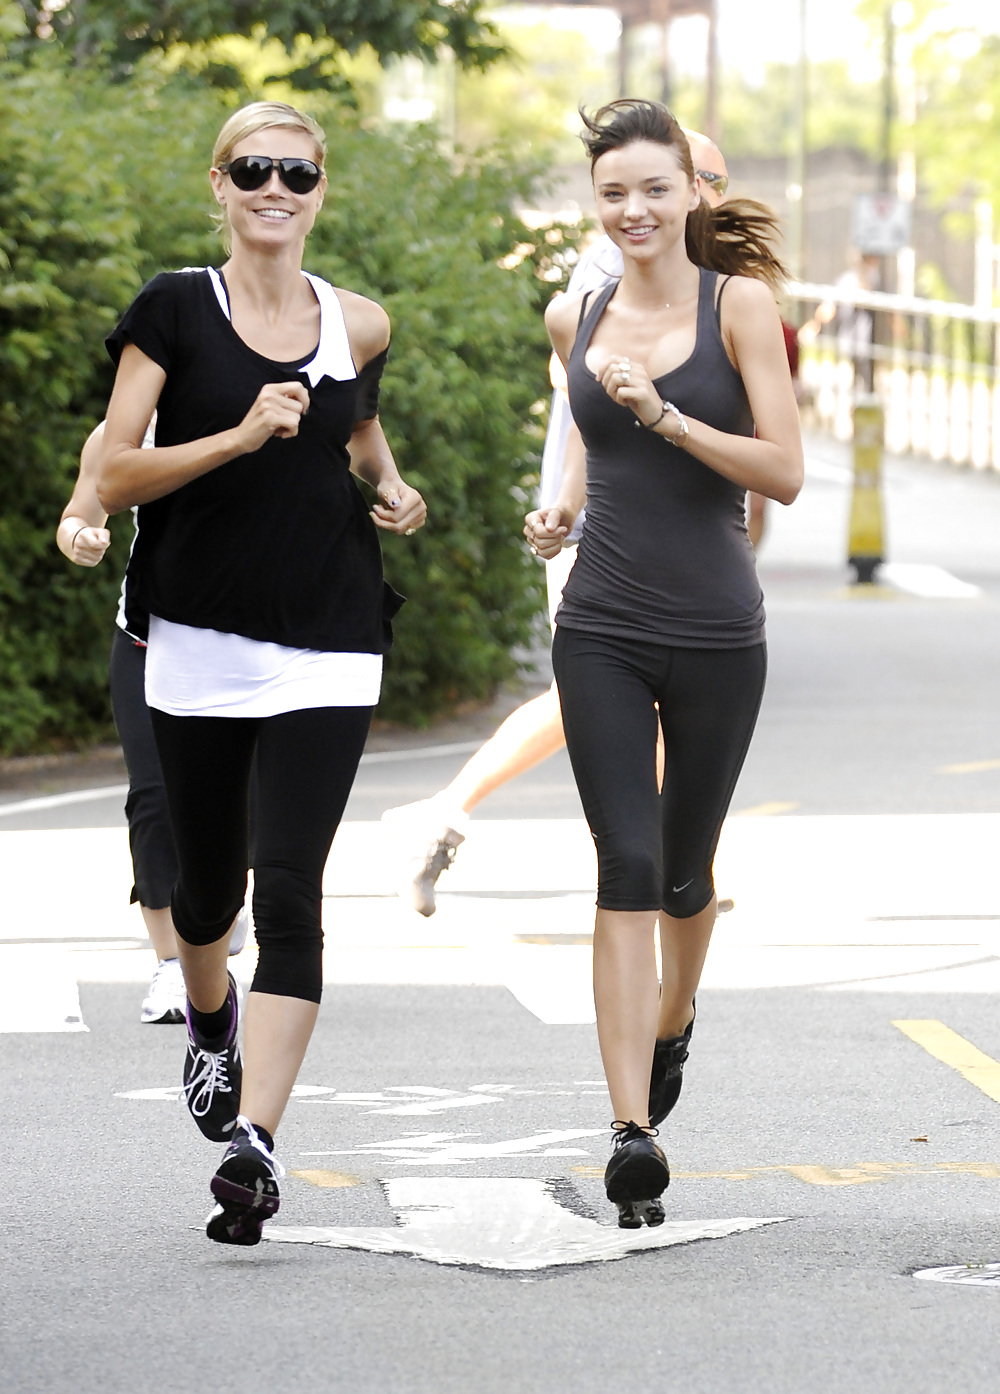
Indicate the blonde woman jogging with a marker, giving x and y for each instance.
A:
(259, 567)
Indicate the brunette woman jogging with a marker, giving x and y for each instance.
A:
(670, 372)
(260, 570)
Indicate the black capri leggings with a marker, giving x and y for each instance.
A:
(154, 861)
(655, 851)
(305, 765)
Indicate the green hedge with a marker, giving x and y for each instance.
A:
(102, 186)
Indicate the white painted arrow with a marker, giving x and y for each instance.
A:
(514, 1225)
(38, 990)
(441, 1149)
(986, 1275)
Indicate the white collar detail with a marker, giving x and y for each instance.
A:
(333, 356)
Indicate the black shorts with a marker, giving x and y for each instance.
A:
(655, 850)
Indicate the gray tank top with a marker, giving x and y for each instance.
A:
(665, 555)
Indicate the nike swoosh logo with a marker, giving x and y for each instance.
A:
(684, 887)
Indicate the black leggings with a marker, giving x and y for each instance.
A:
(154, 861)
(655, 851)
(305, 765)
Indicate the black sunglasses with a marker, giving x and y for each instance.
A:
(718, 182)
(250, 172)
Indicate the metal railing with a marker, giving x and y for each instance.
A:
(934, 364)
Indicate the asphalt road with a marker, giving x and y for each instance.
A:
(874, 1149)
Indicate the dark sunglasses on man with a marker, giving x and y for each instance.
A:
(718, 182)
(250, 172)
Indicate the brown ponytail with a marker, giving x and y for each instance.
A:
(737, 238)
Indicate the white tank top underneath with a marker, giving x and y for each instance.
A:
(203, 672)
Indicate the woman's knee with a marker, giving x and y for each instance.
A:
(287, 905)
(629, 875)
(288, 924)
(207, 917)
(689, 898)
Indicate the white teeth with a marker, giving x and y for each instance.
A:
(273, 214)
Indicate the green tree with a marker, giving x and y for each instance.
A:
(96, 197)
(126, 29)
(528, 101)
(956, 69)
(756, 119)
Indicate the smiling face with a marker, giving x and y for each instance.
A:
(643, 197)
(271, 217)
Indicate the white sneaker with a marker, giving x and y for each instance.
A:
(427, 836)
(238, 933)
(166, 999)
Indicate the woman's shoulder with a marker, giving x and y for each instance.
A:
(563, 311)
(744, 292)
(180, 282)
(367, 324)
(169, 288)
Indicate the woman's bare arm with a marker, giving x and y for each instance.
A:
(562, 315)
(769, 463)
(127, 474)
(400, 508)
(546, 528)
(81, 535)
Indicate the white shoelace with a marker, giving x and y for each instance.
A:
(260, 1145)
(211, 1078)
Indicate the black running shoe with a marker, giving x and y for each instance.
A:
(213, 1077)
(246, 1188)
(667, 1075)
(636, 1177)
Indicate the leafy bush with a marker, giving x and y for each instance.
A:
(102, 187)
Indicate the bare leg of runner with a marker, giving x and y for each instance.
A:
(626, 994)
(529, 735)
(429, 832)
(160, 928)
(276, 1034)
(683, 948)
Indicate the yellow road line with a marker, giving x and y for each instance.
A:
(765, 810)
(954, 1050)
(329, 1180)
(818, 1174)
(971, 767)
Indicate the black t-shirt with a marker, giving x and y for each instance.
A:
(276, 545)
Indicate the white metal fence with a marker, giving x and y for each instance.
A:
(934, 364)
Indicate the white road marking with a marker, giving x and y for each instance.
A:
(62, 800)
(441, 1149)
(399, 1099)
(38, 990)
(420, 752)
(781, 933)
(929, 582)
(165, 1094)
(512, 1225)
(983, 1275)
(555, 982)
(119, 791)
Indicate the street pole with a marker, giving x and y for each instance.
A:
(712, 125)
(623, 55)
(797, 158)
(866, 530)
